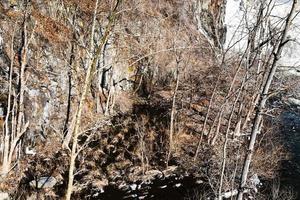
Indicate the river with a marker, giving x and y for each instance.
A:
(290, 174)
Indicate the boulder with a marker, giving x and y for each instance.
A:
(294, 101)
(4, 196)
(43, 182)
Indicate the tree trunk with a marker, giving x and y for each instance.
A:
(12, 137)
(210, 15)
(173, 112)
(263, 100)
(88, 79)
(5, 164)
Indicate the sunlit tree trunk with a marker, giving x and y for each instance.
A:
(18, 128)
(263, 100)
(173, 112)
(89, 75)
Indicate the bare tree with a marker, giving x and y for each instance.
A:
(88, 78)
(173, 111)
(263, 99)
(19, 126)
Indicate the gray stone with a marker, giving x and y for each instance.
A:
(43, 182)
(1, 42)
(294, 101)
(152, 174)
(4, 196)
(1, 111)
(170, 171)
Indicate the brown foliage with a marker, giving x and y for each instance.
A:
(54, 31)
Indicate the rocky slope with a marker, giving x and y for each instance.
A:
(161, 57)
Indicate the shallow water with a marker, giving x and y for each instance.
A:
(171, 188)
(290, 175)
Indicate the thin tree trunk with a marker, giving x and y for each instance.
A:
(88, 79)
(229, 93)
(65, 129)
(206, 119)
(5, 164)
(263, 100)
(23, 62)
(14, 137)
(227, 134)
(109, 100)
(173, 112)
(71, 61)
(235, 170)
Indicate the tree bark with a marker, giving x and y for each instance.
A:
(12, 137)
(5, 164)
(173, 112)
(227, 134)
(263, 100)
(210, 15)
(88, 79)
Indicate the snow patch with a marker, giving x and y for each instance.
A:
(133, 186)
(178, 185)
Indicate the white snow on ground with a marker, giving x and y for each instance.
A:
(240, 13)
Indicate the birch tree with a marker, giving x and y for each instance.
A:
(13, 133)
(263, 99)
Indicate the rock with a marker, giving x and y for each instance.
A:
(43, 182)
(1, 42)
(133, 186)
(100, 184)
(123, 186)
(123, 164)
(170, 171)
(237, 130)
(152, 174)
(29, 151)
(178, 184)
(199, 182)
(210, 18)
(229, 194)
(2, 110)
(162, 187)
(254, 182)
(4, 196)
(294, 101)
(135, 173)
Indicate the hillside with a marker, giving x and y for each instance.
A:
(125, 98)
